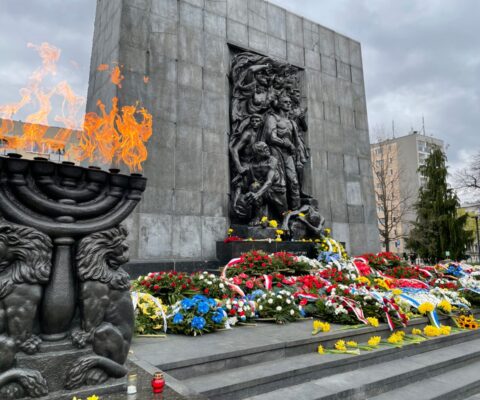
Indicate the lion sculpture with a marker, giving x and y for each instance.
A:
(107, 316)
(25, 266)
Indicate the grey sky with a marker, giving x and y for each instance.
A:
(420, 57)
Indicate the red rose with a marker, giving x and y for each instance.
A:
(173, 284)
(206, 290)
(249, 284)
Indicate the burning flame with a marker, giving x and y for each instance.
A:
(109, 137)
(36, 125)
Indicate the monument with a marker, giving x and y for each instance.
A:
(61, 281)
(257, 111)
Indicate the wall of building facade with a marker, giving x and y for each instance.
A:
(184, 48)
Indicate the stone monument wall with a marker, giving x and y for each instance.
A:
(185, 47)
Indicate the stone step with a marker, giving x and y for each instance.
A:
(221, 351)
(342, 375)
(452, 385)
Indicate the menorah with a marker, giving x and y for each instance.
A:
(66, 202)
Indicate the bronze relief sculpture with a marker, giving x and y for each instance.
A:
(267, 144)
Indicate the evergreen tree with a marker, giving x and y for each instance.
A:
(438, 227)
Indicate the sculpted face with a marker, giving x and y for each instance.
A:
(119, 256)
(255, 122)
(285, 103)
(261, 150)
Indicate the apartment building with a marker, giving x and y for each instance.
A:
(395, 163)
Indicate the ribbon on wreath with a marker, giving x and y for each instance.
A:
(432, 315)
(268, 282)
(227, 281)
(355, 308)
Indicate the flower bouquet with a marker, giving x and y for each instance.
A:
(279, 306)
(169, 286)
(195, 316)
(210, 285)
(239, 310)
(150, 318)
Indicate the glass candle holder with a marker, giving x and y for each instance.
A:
(132, 383)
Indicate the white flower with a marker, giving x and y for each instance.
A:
(292, 312)
(278, 308)
(229, 306)
(264, 296)
(241, 303)
(260, 307)
(201, 277)
(221, 286)
(211, 276)
(209, 282)
(270, 301)
(289, 301)
(279, 297)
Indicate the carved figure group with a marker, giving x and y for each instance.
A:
(105, 308)
(267, 142)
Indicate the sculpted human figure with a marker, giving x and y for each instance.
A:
(25, 266)
(304, 223)
(298, 114)
(107, 316)
(250, 95)
(241, 145)
(267, 192)
(281, 134)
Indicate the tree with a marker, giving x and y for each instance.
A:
(392, 202)
(438, 227)
(468, 179)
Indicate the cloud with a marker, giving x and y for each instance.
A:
(420, 58)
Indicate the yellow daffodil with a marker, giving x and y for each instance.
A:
(374, 341)
(373, 321)
(279, 232)
(416, 331)
(340, 345)
(352, 343)
(445, 306)
(264, 219)
(396, 337)
(425, 307)
(432, 331)
(396, 292)
(301, 214)
(320, 349)
(445, 330)
(93, 397)
(273, 223)
(230, 231)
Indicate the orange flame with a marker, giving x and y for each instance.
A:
(113, 137)
(116, 136)
(116, 76)
(36, 125)
(103, 67)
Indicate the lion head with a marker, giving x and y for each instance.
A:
(100, 255)
(25, 255)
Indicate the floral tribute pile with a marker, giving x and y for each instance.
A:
(282, 287)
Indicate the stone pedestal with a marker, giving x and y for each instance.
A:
(227, 251)
(254, 232)
(52, 362)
